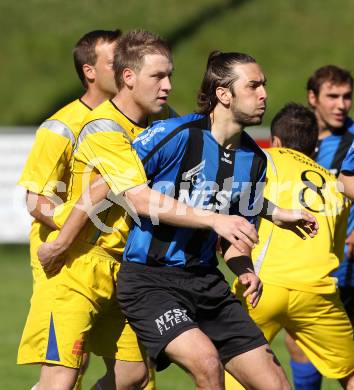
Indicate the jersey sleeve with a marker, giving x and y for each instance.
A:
(103, 146)
(49, 156)
(160, 146)
(348, 162)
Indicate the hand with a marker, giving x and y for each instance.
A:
(237, 230)
(51, 257)
(350, 242)
(254, 284)
(295, 220)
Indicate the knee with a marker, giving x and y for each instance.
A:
(57, 378)
(208, 369)
(279, 382)
(134, 377)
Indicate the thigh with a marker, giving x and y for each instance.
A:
(321, 328)
(257, 369)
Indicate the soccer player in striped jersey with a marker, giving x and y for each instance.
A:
(299, 293)
(46, 176)
(346, 175)
(168, 285)
(329, 92)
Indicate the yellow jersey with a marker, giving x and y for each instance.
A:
(104, 147)
(295, 181)
(47, 169)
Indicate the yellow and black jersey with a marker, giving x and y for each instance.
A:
(295, 181)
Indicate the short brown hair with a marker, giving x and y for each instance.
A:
(84, 51)
(131, 50)
(296, 127)
(331, 73)
(219, 73)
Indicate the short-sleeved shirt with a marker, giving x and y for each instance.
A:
(104, 147)
(182, 159)
(330, 153)
(47, 170)
(48, 161)
(348, 163)
(283, 258)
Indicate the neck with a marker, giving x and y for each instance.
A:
(94, 98)
(130, 109)
(324, 130)
(224, 128)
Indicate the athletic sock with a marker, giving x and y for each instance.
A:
(305, 376)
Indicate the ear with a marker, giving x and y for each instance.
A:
(276, 142)
(311, 98)
(89, 72)
(224, 95)
(129, 77)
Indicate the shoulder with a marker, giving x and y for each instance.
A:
(292, 161)
(249, 146)
(165, 130)
(349, 123)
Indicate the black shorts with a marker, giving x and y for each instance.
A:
(161, 303)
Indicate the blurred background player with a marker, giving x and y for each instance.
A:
(329, 93)
(299, 293)
(347, 179)
(46, 174)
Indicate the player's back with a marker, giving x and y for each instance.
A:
(283, 258)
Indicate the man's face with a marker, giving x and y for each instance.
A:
(104, 79)
(332, 105)
(152, 83)
(249, 101)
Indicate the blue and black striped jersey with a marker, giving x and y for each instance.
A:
(348, 163)
(183, 160)
(330, 153)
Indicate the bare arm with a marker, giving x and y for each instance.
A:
(146, 202)
(241, 265)
(298, 221)
(168, 210)
(41, 208)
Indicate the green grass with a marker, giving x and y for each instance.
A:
(289, 38)
(15, 292)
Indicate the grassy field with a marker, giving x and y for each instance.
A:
(15, 291)
(289, 38)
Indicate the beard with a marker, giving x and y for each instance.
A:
(247, 120)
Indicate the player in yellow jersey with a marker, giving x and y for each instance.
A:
(143, 68)
(47, 172)
(299, 293)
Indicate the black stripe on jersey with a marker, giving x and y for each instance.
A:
(202, 123)
(86, 105)
(259, 165)
(225, 171)
(342, 150)
(163, 234)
